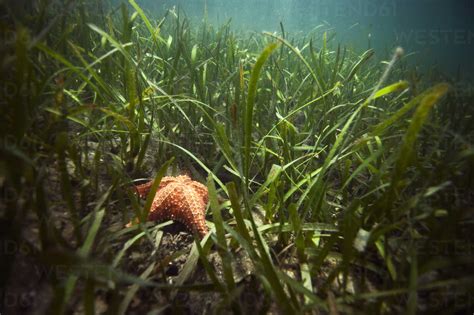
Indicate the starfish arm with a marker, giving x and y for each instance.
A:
(201, 190)
(195, 214)
(144, 189)
(166, 180)
(160, 208)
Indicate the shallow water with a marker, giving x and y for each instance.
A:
(439, 33)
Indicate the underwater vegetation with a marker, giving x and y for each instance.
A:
(337, 184)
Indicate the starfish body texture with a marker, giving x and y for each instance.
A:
(178, 198)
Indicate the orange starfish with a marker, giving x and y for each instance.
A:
(178, 198)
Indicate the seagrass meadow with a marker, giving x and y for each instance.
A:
(339, 181)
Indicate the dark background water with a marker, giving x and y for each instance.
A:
(439, 32)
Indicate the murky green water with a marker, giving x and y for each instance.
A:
(437, 32)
